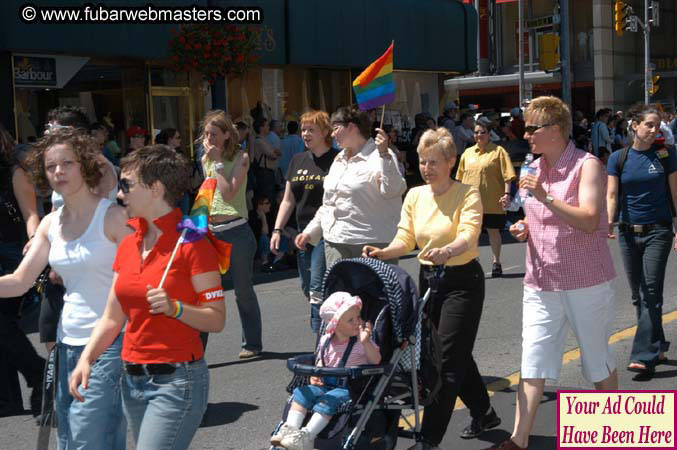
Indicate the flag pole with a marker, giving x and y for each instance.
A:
(383, 114)
(171, 259)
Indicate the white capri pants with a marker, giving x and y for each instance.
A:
(545, 315)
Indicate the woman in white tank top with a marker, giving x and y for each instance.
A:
(79, 240)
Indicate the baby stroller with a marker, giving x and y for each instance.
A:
(409, 374)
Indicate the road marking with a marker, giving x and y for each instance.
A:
(568, 357)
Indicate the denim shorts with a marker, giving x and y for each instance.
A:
(321, 399)
(165, 411)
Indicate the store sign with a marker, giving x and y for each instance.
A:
(665, 63)
(34, 71)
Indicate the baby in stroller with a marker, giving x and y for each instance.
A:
(347, 342)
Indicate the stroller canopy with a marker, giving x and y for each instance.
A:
(376, 281)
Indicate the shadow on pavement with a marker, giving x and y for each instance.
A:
(262, 357)
(224, 413)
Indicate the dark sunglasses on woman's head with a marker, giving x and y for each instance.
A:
(531, 129)
(124, 185)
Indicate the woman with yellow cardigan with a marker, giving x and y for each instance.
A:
(443, 219)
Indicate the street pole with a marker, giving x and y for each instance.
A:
(479, 37)
(565, 52)
(647, 53)
(520, 42)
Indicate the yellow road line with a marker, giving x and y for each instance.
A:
(568, 357)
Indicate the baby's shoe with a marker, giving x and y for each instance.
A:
(298, 440)
(283, 432)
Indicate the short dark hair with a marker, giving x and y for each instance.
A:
(161, 163)
(346, 115)
(69, 116)
(83, 145)
(165, 135)
(292, 127)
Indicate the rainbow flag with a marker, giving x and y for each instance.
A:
(196, 224)
(375, 86)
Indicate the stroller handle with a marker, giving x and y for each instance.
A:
(302, 365)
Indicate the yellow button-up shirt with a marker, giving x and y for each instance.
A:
(488, 170)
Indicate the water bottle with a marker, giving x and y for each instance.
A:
(524, 171)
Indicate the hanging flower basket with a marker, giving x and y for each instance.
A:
(215, 51)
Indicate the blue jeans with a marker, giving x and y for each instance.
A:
(644, 257)
(321, 399)
(165, 411)
(312, 266)
(241, 270)
(98, 422)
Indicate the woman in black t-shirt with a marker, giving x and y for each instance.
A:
(304, 191)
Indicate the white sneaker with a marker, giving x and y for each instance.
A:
(284, 431)
(298, 440)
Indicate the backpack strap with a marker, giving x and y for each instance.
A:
(620, 163)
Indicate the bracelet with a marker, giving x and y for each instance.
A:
(277, 230)
(178, 309)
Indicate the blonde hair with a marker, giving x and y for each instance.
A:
(551, 110)
(439, 141)
(321, 119)
(222, 121)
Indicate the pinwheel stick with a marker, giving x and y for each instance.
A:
(171, 258)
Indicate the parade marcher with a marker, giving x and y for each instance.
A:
(362, 191)
(264, 159)
(568, 263)
(602, 141)
(487, 166)
(18, 222)
(443, 219)
(304, 191)
(642, 183)
(323, 396)
(79, 241)
(224, 160)
(165, 383)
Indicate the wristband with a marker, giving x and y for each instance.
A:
(277, 230)
(179, 309)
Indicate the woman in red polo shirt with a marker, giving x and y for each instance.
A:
(166, 382)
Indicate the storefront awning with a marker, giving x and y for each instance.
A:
(512, 79)
(430, 35)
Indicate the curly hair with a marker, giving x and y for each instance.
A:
(161, 163)
(6, 147)
(84, 147)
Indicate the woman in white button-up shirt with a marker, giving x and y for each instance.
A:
(362, 191)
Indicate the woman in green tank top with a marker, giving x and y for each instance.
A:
(224, 160)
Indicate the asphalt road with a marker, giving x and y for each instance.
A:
(246, 397)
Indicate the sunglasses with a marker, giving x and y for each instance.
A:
(531, 129)
(124, 185)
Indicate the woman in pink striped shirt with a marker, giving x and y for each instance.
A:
(568, 263)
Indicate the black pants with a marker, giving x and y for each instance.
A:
(16, 351)
(456, 309)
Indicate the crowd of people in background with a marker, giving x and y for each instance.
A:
(304, 194)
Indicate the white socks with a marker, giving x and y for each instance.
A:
(295, 418)
(316, 424)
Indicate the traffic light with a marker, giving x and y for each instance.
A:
(619, 16)
(654, 84)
